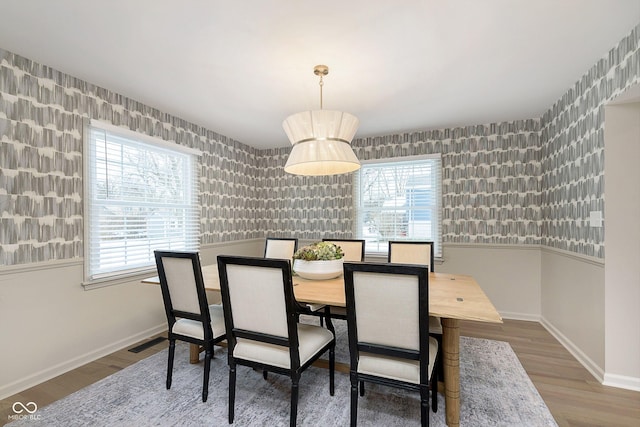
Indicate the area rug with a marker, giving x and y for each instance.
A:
(495, 391)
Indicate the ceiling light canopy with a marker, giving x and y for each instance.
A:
(321, 139)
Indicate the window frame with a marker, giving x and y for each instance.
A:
(358, 208)
(96, 280)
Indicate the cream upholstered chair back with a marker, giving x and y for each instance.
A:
(407, 252)
(182, 285)
(257, 299)
(181, 280)
(280, 248)
(386, 309)
(353, 249)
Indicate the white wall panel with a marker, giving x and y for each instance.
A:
(573, 305)
(509, 275)
(622, 218)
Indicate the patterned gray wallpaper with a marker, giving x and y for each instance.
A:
(299, 206)
(572, 143)
(490, 179)
(491, 185)
(41, 210)
(527, 182)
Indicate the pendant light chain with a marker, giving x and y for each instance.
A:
(321, 84)
(321, 71)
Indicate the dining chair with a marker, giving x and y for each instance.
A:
(389, 341)
(190, 318)
(280, 247)
(262, 329)
(411, 252)
(418, 253)
(354, 250)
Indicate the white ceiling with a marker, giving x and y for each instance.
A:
(240, 67)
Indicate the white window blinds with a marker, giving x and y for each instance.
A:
(399, 200)
(140, 197)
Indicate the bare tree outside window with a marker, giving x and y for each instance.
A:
(143, 198)
(398, 201)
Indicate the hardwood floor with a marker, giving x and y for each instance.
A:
(574, 397)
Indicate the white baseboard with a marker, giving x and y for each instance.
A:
(622, 381)
(520, 316)
(59, 369)
(584, 360)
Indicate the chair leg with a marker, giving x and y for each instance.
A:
(264, 374)
(440, 361)
(294, 401)
(172, 351)
(232, 390)
(330, 326)
(424, 405)
(354, 402)
(361, 388)
(332, 368)
(434, 390)
(207, 367)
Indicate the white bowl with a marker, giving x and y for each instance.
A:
(318, 270)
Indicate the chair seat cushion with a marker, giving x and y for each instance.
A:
(435, 326)
(396, 368)
(311, 339)
(192, 328)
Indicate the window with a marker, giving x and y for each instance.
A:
(399, 199)
(141, 194)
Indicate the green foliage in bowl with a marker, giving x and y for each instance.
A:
(320, 251)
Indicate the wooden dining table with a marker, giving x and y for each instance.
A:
(452, 297)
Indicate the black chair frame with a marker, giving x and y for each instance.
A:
(203, 317)
(294, 309)
(358, 379)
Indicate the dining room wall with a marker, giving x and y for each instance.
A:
(41, 163)
(49, 323)
(573, 181)
(573, 147)
(622, 276)
(491, 185)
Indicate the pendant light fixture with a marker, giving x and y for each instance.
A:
(321, 139)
